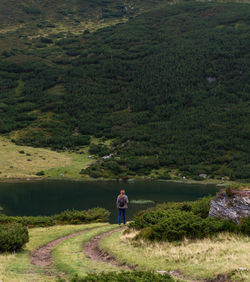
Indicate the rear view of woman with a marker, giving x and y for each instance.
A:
(122, 205)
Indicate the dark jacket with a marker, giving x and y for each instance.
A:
(125, 204)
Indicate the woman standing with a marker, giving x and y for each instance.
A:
(122, 205)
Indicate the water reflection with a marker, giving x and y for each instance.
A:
(50, 197)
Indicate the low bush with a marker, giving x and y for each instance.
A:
(85, 216)
(174, 221)
(66, 217)
(30, 221)
(153, 215)
(201, 207)
(12, 237)
(128, 276)
(165, 176)
(40, 173)
(245, 225)
(175, 225)
(46, 40)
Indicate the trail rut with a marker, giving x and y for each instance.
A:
(93, 251)
(42, 255)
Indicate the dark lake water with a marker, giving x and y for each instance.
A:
(50, 197)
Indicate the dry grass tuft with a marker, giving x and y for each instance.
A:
(197, 259)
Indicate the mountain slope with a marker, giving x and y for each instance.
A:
(169, 86)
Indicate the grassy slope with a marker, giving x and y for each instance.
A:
(13, 164)
(17, 266)
(197, 259)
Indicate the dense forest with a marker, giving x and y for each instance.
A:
(168, 86)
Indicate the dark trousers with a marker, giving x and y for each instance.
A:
(121, 213)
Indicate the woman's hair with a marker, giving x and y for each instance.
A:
(122, 192)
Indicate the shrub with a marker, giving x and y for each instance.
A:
(128, 276)
(175, 225)
(40, 173)
(12, 237)
(201, 207)
(165, 176)
(174, 221)
(100, 150)
(85, 216)
(215, 225)
(66, 217)
(147, 218)
(95, 174)
(46, 40)
(245, 226)
(30, 221)
(153, 215)
(6, 54)
(113, 166)
(42, 221)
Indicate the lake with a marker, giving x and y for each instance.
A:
(50, 197)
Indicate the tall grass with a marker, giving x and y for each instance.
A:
(197, 259)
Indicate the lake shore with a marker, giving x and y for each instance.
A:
(25, 164)
(216, 182)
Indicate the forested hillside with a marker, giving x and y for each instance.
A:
(169, 86)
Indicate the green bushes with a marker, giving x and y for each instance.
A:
(128, 276)
(100, 150)
(175, 221)
(46, 40)
(78, 217)
(30, 221)
(66, 217)
(245, 226)
(201, 207)
(118, 87)
(40, 173)
(12, 237)
(175, 225)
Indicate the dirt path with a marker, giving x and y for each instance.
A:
(93, 251)
(42, 256)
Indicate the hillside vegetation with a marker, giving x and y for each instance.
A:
(19, 162)
(169, 85)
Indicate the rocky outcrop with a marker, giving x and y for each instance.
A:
(234, 206)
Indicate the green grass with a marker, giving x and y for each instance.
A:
(197, 259)
(19, 87)
(141, 202)
(17, 266)
(70, 258)
(14, 164)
